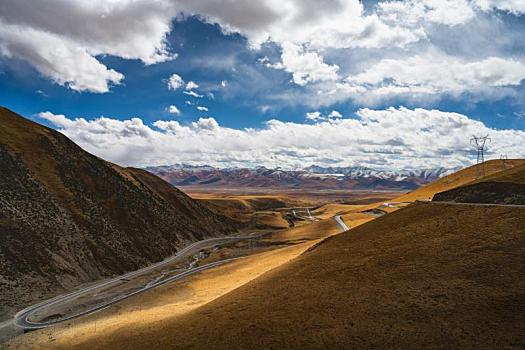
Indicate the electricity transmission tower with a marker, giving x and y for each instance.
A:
(479, 142)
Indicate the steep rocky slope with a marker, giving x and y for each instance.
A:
(68, 217)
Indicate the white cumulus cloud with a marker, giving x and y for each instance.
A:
(317, 116)
(336, 23)
(513, 6)
(438, 74)
(415, 12)
(321, 42)
(81, 30)
(191, 85)
(64, 39)
(173, 110)
(175, 82)
(57, 58)
(335, 114)
(313, 116)
(394, 138)
(61, 39)
(305, 66)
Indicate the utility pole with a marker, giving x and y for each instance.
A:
(479, 142)
(504, 159)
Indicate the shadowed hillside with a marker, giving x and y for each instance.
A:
(505, 187)
(460, 178)
(68, 217)
(251, 211)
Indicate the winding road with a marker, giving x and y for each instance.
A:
(300, 217)
(22, 318)
(341, 223)
(473, 204)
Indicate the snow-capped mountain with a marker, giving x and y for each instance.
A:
(357, 172)
(312, 177)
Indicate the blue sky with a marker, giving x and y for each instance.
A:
(268, 72)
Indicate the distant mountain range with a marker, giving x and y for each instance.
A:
(312, 177)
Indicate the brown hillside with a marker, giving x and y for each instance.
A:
(459, 178)
(428, 276)
(514, 174)
(68, 217)
(251, 211)
(504, 187)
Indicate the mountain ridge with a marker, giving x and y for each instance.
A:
(68, 217)
(311, 177)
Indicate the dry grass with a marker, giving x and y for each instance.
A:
(457, 179)
(504, 187)
(270, 219)
(427, 276)
(295, 197)
(249, 202)
(514, 174)
(329, 210)
(148, 311)
(316, 230)
(253, 211)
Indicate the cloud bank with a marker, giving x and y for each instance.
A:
(395, 138)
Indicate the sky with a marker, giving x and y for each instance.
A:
(385, 84)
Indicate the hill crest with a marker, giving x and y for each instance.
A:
(68, 217)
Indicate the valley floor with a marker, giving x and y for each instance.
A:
(315, 197)
(148, 310)
(427, 276)
(303, 235)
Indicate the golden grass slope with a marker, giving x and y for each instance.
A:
(150, 310)
(514, 174)
(146, 312)
(428, 276)
(457, 179)
(504, 187)
(254, 211)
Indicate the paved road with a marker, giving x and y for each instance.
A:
(341, 223)
(474, 204)
(292, 208)
(6, 323)
(300, 217)
(21, 319)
